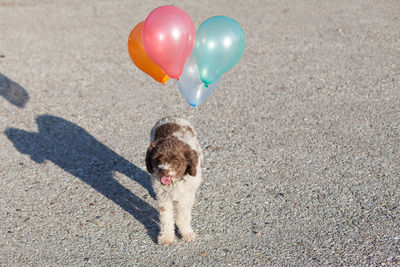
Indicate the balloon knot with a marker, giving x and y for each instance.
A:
(165, 79)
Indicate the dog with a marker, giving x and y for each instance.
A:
(174, 160)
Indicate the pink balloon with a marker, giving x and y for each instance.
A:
(168, 38)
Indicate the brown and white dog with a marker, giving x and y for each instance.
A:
(174, 160)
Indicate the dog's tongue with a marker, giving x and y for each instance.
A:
(166, 180)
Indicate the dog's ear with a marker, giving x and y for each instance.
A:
(149, 156)
(192, 160)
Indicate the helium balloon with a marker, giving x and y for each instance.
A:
(219, 46)
(168, 38)
(191, 86)
(140, 57)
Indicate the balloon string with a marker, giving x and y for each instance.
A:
(182, 108)
(182, 104)
(194, 109)
(216, 105)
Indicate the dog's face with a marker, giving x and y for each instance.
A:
(171, 159)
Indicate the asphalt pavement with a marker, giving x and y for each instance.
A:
(301, 138)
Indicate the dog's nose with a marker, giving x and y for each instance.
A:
(163, 172)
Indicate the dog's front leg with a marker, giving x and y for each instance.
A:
(167, 233)
(184, 218)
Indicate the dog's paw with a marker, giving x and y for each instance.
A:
(165, 240)
(188, 237)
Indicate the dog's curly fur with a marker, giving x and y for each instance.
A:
(174, 160)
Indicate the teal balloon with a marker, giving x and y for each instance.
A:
(218, 47)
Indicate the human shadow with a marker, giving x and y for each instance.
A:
(77, 152)
(13, 92)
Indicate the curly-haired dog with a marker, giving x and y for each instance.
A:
(173, 160)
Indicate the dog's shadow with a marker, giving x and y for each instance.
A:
(13, 92)
(77, 152)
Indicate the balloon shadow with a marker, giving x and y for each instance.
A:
(13, 92)
(77, 152)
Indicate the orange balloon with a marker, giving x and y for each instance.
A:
(140, 57)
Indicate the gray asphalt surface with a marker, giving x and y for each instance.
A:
(301, 138)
